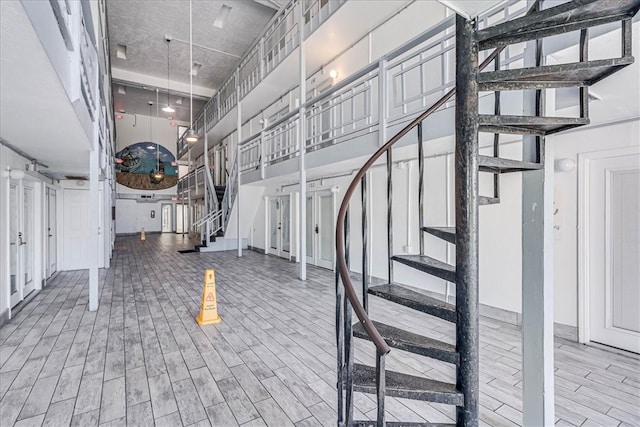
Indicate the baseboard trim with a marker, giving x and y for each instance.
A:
(255, 249)
(4, 318)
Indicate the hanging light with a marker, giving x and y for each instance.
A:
(191, 136)
(168, 108)
(158, 175)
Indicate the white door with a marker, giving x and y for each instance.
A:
(320, 229)
(14, 244)
(75, 244)
(181, 218)
(167, 218)
(21, 239)
(52, 264)
(280, 226)
(26, 241)
(614, 251)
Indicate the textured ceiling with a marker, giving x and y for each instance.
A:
(141, 25)
(136, 101)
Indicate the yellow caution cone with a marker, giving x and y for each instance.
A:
(209, 306)
(143, 235)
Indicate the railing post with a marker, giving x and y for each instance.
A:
(382, 102)
(348, 335)
(389, 214)
(340, 346)
(420, 188)
(466, 184)
(380, 388)
(365, 246)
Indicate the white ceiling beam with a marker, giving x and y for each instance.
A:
(159, 82)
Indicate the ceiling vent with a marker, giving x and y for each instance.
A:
(121, 51)
(221, 19)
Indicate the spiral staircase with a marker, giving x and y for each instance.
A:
(471, 79)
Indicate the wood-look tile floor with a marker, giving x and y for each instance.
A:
(142, 360)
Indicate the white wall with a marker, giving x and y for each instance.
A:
(130, 215)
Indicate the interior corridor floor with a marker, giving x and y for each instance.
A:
(142, 360)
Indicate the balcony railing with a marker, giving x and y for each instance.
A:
(280, 38)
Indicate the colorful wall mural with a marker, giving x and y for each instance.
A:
(146, 166)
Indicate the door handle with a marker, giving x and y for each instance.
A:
(317, 229)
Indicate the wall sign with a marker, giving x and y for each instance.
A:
(146, 166)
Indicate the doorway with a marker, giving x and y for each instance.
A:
(320, 229)
(52, 241)
(182, 218)
(280, 226)
(21, 240)
(167, 218)
(610, 241)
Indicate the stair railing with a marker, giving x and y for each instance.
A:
(344, 304)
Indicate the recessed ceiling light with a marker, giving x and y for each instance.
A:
(121, 111)
(223, 14)
(122, 90)
(121, 51)
(151, 147)
(195, 69)
(179, 101)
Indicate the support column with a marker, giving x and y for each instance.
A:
(238, 173)
(537, 270)
(207, 190)
(466, 185)
(94, 226)
(302, 137)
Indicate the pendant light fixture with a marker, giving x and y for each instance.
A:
(158, 175)
(191, 136)
(168, 108)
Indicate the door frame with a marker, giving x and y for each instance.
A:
(171, 222)
(584, 232)
(278, 250)
(47, 231)
(315, 195)
(37, 254)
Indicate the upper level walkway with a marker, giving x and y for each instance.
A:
(141, 358)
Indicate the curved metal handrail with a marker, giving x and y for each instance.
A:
(343, 270)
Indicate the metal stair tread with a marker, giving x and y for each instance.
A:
(445, 233)
(428, 265)
(528, 124)
(571, 16)
(500, 165)
(552, 76)
(406, 386)
(415, 300)
(411, 342)
(486, 200)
